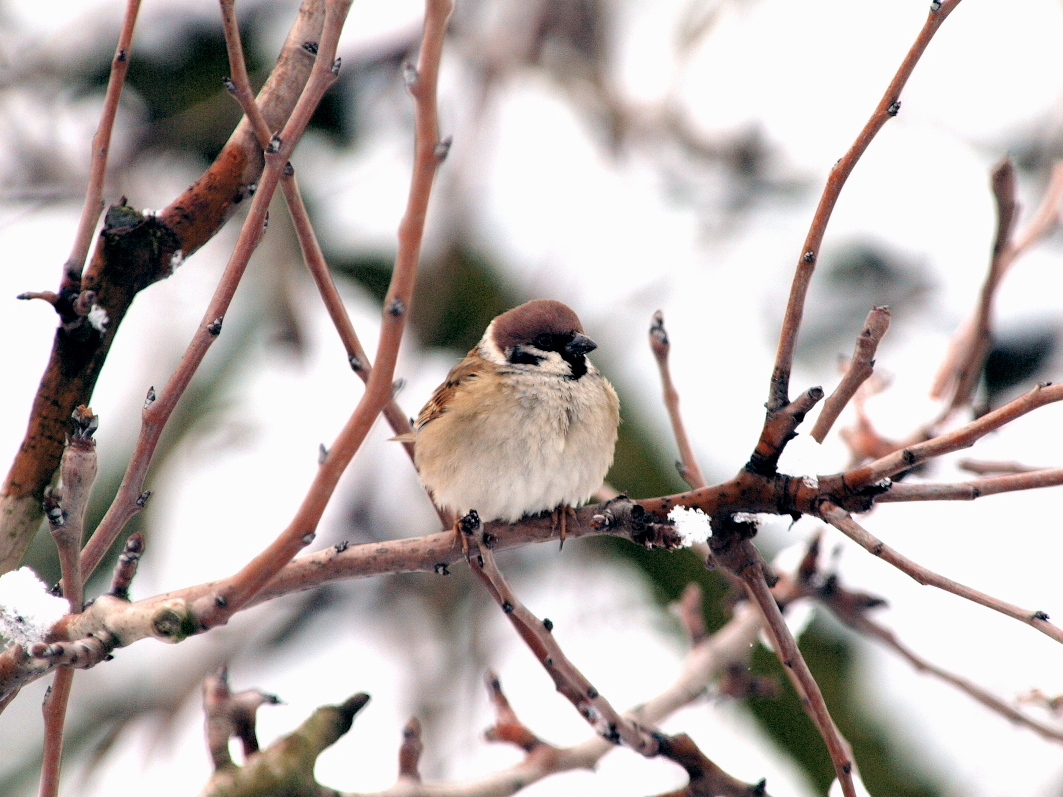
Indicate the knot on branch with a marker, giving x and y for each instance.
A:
(174, 621)
(139, 249)
(642, 527)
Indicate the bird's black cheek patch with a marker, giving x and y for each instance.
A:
(521, 356)
(577, 364)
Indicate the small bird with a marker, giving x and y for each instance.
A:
(524, 424)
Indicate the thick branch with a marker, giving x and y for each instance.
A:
(134, 251)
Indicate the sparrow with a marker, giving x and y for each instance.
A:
(524, 424)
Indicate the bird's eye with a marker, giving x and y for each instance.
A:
(544, 340)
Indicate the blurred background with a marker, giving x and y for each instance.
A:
(621, 156)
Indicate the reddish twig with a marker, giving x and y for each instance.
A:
(1047, 217)
(888, 106)
(410, 751)
(964, 437)
(240, 86)
(732, 547)
(964, 362)
(231, 715)
(870, 628)
(129, 500)
(133, 252)
(661, 347)
(54, 709)
(232, 594)
(508, 728)
(706, 778)
(567, 678)
(983, 467)
(976, 488)
(844, 522)
(962, 368)
(66, 520)
(126, 566)
(101, 145)
(688, 611)
(860, 368)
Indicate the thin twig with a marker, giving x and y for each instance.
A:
(841, 755)
(860, 368)
(964, 437)
(137, 251)
(567, 678)
(54, 709)
(156, 414)
(985, 467)
(965, 358)
(844, 522)
(732, 547)
(240, 86)
(101, 145)
(962, 368)
(661, 347)
(1047, 217)
(976, 488)
(888, 106)
(66, 520)
(870, 628)
(232, 594)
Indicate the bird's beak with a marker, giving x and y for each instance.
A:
(581, 344)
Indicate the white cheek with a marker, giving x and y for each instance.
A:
(490, 351)
(554, 364)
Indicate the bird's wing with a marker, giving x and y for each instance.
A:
(464, 371)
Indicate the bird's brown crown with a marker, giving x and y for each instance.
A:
(523, 323)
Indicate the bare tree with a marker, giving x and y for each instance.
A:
(53, 472)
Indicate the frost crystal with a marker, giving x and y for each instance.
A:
(27, 611)
(98, 318)
(692, 525)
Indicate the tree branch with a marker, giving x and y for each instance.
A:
(888, 107)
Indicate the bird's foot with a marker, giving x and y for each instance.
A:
(559, 517)
(464, 528)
